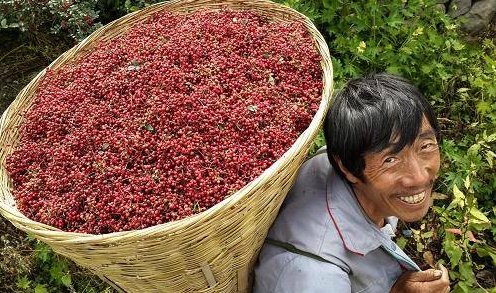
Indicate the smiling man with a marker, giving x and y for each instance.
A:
(334, 231)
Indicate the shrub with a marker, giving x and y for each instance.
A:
(66, 19)
(71, 20)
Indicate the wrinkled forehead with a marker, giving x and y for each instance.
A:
(397, 142)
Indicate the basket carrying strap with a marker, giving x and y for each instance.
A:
(291, 248)
(207, 272)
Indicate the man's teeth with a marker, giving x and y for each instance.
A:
(413, 198)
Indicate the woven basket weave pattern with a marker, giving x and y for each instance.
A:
(213, 251)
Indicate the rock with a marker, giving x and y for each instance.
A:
(479, 17)
(441, 7)
(459, 7)
(442, 1)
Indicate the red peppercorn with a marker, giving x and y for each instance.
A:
(165, 121)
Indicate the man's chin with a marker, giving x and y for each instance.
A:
(414, 217)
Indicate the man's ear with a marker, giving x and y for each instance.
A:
(349, 176)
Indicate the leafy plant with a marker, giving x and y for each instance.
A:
(50, 272)
(65, 18)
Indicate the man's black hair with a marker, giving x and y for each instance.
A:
(368, 114)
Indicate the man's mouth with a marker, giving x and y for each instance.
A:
(413, 199)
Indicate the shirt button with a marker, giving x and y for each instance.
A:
(393, 246)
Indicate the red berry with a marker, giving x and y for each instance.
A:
(165, 121)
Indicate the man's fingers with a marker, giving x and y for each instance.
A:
(427, 275)
(444, 270)
(445, 275)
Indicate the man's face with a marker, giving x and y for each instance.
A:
(400, 184)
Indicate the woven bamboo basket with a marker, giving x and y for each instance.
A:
(213, 251)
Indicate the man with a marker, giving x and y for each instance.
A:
(334, 230)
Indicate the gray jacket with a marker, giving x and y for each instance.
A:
(322, 216)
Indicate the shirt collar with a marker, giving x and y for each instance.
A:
(358, 233)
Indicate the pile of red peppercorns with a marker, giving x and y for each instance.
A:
(164, 121)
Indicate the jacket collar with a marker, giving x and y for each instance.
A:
(356, 230)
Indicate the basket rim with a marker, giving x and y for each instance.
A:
(19, 220)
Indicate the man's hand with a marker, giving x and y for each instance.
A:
(435, 281)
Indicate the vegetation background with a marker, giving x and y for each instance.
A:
(411, 38)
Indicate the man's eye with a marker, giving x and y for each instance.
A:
(390, 160)
(428, 146)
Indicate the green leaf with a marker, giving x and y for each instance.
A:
(459, 198)
(479, 216)
(393, 69)
(426, 68)
(486, 250)
(453, 251)
(473, 150)
(457, 45)
(461, 287)
(317, 143)
(30, 237)
(394, 23)
(467, 182)
(401, 242)
(40, 289)
(466, 272)
(490, 156)
(23, 283)
(56, 271)
(483, 107)
(42, 251)
(420, 247)
(491, 90)
(427, 234)
(491, 137)
(149, 127)
(3, 23)
(66, 280)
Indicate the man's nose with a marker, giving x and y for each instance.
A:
(416, 173)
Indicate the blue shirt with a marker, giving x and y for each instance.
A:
(322, 216)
